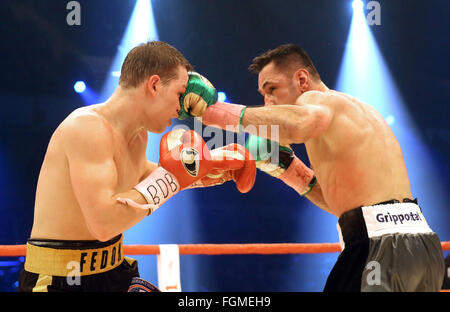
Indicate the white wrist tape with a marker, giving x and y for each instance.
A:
(157, 188)
(148, 207)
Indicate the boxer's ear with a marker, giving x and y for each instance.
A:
(153, 84)
(302, 80)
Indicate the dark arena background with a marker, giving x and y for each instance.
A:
(394, 55)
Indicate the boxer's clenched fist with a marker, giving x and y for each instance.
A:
(200, 100)
(287, 166)
(185, 155)
(184, 159)
(230, 162)
(200, 94)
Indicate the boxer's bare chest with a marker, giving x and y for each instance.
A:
(130, 161)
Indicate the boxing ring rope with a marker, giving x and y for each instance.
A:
(209, 249)
(216, 249)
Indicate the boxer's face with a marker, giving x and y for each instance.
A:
(167, 101)
(277, 86)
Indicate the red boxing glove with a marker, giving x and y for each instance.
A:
(184, 159)
(186, 162)
(231, 162)
(185, 155)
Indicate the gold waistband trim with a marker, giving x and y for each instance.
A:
(73, 262)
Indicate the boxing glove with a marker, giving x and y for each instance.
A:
(231, 162)
(281, 162)
(200, 100)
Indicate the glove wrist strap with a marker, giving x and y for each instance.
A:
(299, 177)
(226, 116)
(157, 188)
(240, 118)
(310, 186)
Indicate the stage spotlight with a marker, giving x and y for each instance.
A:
(79, 87)
(141, 28)
(222, 97)
(357, 5)
(365, 74)
(390, 120)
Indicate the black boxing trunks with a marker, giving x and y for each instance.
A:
(77, 266)
(387, 247)
(446, 283)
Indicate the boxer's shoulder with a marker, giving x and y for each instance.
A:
(84, 117)
(311, 97)
(327, 98)
(342, 98)
(85, 127)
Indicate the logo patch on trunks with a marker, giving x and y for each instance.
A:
(382, 218)
(394, 218)
(73, 262)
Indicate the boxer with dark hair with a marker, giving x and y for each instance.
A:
(357, 171)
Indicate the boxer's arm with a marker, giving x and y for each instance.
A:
(308, 118)
(93, 173)
(316, 197)
(150, 167)
(291, 123)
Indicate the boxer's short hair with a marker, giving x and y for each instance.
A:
(151, 58)
(283, 57)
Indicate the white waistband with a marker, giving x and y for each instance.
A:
(392, 218)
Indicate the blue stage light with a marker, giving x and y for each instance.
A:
(222, 97)
(160, 227)
(365, 74)
(390, 120)
(79, 87)
(357, 5)
(141, 28)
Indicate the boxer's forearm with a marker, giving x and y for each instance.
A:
(284, 123)
(114, 217)
(316, 197)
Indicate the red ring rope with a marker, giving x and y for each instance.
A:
(215, 249)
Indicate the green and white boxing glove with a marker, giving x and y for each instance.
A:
(280, 162)
(200, 94)
(200, 100)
